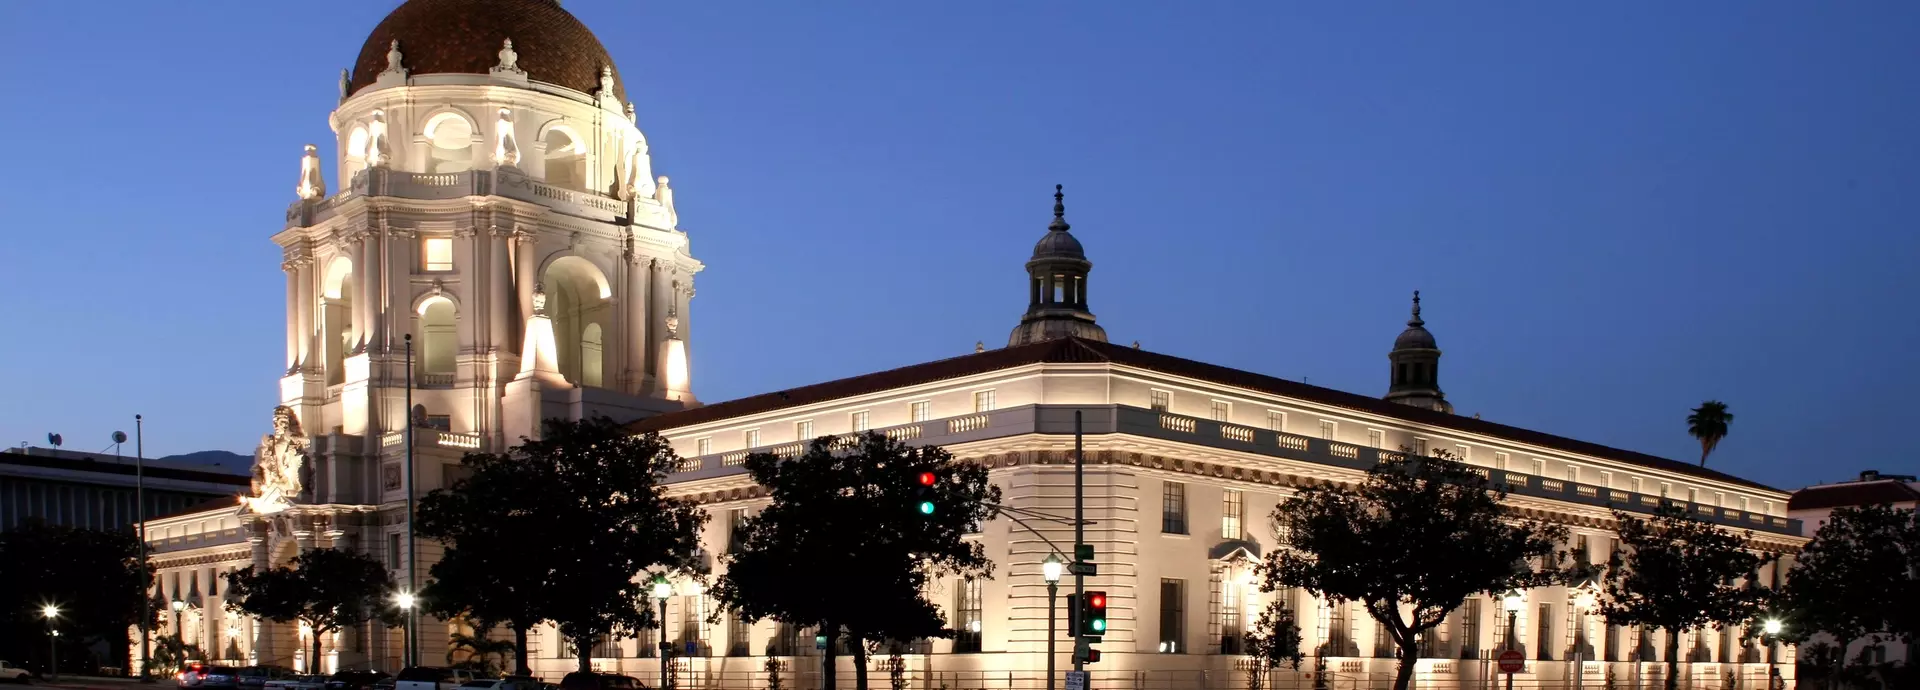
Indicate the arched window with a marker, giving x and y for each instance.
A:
(336, 318)
(356, 156)
(566, 160)
(592, 358)
(450, 144)
(439, 343)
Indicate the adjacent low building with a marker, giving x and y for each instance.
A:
(97, 490)
(1812, 506)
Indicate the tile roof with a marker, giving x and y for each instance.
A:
(1853, 494)
(465, 36)
(1077, 350)
(127, 469)
(201, 507)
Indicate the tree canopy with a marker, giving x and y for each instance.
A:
(1859, 579)
(1411, 542)
(93, 576)
(1678, 573)
(1709, 423)
(497, 567)
(846, 543)
(329, 589)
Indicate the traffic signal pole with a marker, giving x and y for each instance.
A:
(1079, 532)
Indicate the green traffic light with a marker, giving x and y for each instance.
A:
(926, 507)
(1099, 625)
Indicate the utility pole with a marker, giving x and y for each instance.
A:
(1079, 532)
(140, 513)
(413, 581)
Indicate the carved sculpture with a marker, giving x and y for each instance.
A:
(394, 60)
(377, 140)
(277, 465)
(664, 194)
(539, 299)
(312, 184)
(606, 81)
(506, 153)
(509, 60)
(344, 79)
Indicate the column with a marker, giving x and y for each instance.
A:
(499, 277)
(526, 272)
(305, 318)
(658, 299)
(363, 290)
(262, 630)
(637, 268)
(292, 267)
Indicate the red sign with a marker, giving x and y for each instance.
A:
(1511, 661)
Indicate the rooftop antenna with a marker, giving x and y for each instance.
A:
(54, 439)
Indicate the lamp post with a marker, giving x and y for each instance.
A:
(1050, 569)
(140, 516)
(1513, 601)
(179, 608)
(662, 589)
(405, 601)
(53, 639)
(1772, 629)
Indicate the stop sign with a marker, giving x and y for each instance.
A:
(1511, 661)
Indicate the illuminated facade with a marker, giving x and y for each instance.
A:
(495, 201)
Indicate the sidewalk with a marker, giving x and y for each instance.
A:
(68, 682)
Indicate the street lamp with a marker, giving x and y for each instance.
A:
(1512, 601)
(662, 589)
(1050, 569)
(53, 639)
(1772, 627)
(178, 608)
(405, 601)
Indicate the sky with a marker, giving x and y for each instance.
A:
(1613, 211)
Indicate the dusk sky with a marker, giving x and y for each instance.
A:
(1613, 210)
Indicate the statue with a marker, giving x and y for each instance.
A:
(509, 60)
(393, 60)
(377, 140)
(539, 299)
(606, 81)
(344, 82)
(664, 194)
(312, 184)
(505, 152)
(278, 465)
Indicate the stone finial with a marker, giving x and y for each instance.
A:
(629, 111)
(664, 194)
(312, 184)
(606, 81)
(394, 60)
(1415, 321)
(1136, 344)
(1059, 210)
(509, 60)
(506, 153)
(979, 346)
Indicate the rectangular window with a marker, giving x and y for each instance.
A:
(859, 421)
(1173, 508)
(739, 635)
(736, 529)
(1462, 453)
(1339, 630)
(1470, 630)
(438, 252)
(395, 559)
(1766, 507)
(1744, 503)
(693, 624)
(1376, 438)
(1580, 554)
(1230, 514)
(1500, 461)
(1419, 446)
(1232, 632)
(1221, 410)
(753, 438)
(1635, 483)
(922, 411)
(1539, 467)
(1173, 616)
(703, 446)
(803, 431)
(1573, 474)
(1160, 401)
(1666, 490)
(1327, 429)
(983, 401)
(1545, 624)
(967, 623)
(1693, 495)
(1276, 420)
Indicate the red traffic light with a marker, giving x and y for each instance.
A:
(1097, 600)
(926, 479)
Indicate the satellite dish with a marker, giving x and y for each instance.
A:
(119, 437)
(54, 439)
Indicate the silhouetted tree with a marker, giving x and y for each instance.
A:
(328, 589)
(1709, 423)
(1677, 573)
(93, 576)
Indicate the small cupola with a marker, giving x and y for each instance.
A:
(1415, 373)
(1057, 285)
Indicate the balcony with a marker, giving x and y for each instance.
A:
(383, 182)
(1097, 420)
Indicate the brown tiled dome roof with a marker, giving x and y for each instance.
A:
(464, 37)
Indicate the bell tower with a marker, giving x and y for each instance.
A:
(1057, 286)
(1415, 371)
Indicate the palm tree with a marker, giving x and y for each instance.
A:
(480, 652)
(1709, 424)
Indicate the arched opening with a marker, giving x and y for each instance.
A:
(439, 343)
(356, 156)
(450, 144)
(577, 297)
(592, 356)
(566, 159)
(336, 318)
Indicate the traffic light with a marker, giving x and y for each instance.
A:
(1095, 616)
(925, 492)
(1083, 651)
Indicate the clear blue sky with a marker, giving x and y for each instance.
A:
(1615, 210)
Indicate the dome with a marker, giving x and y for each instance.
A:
(1415, 338)
(465, 36)
(1058, 244)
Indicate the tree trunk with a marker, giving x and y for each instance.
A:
(583, 648)
(313, 664)
(1673, 659)
(827, 660)
(1409, 659)
(520, 651)
(859, 660)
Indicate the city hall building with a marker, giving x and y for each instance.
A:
(496, 217)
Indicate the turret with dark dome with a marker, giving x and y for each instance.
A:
(465, 37)
(1057, 285)
(1416, 366)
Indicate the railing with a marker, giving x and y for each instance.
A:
(904, 433)
(964, 424)
(1236, 433)
(1588, 491)
(738, 457)
(1343, 450)
(437, 380)
(1552, 485)
(457, 440)
(1176, 423)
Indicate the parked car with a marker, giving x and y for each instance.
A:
(431, 678)
(209, 677)
(356, 680)
(579, 680)
(13, 674)
(256, 677)
(383, 684)
(297, 683)
(507, 683)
